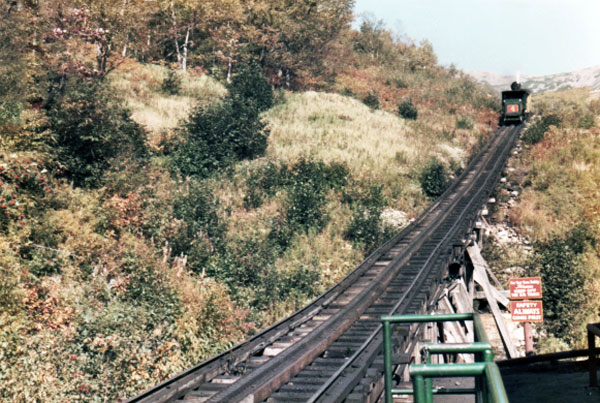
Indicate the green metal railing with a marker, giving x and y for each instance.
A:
(488, 382)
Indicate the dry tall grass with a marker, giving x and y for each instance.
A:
(376, 145)
(159, 113)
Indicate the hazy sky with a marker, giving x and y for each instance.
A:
(503, 36)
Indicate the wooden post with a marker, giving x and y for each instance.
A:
(592, 363)
(528, 338)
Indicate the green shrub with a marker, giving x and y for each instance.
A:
(372, 100)
(559, 261)
(464, 122)
(91, 127)
(201, 231)
(41, 255)
(10, 111)
(587, 121)
(297, 285)
(216, 136)
(171, 84)
(263, 182)
(249, 85)
(253, 198)
(434, 179)
(320, 175)
(535, 132)
(399, 82)
(308, 183)
(347, 92)
(219, 135)
(306, 207)
(366, 230)
(281, 234)
(407, 110)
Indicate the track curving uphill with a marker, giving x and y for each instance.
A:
(331, 350)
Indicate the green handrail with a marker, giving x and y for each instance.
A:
(488, 370)
(493, 388)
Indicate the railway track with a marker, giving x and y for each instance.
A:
(330, 351)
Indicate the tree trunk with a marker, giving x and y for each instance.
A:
(102, 56)
(124, 51)
(185, 50)
(175, 31)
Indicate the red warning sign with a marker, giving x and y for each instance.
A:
(526, 288)
(527, 311)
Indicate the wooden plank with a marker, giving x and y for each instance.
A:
(460, 298)
(453, 331)
(493, 276)
(480, 276)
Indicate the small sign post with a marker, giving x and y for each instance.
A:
(526, 305)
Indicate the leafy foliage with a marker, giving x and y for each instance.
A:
(372, 100)
(250, 86)
(535, 133)
(407, 110)
(23, 187)
(91, 129)
(200, 232)
(434, 179)
(171, 84)
(308, 183)
(218, 135)
(559, 262)
(366, 229)
(464, 122)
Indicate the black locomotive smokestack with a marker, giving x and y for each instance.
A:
(515, 86)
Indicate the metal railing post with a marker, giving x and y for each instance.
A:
(495, 387)
(419, 389)
(387, 360)
(489, 387)
(428, 381)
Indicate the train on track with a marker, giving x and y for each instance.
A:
(514, 105)
(331, 351)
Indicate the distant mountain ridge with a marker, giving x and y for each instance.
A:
(588, 77)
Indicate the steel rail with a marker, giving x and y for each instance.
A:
(276, 372)
(204, 372)
(426, 269)
(171, 387)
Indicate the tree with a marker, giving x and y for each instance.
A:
(218, 135)
(559, 261)
(305, 30)
(14, 72)
(91, 128)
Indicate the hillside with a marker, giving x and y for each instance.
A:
(589, 77)
(163, 202)
(550, 202)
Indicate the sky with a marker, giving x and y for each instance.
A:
(534, 37)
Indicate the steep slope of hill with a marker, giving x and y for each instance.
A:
(589, 77)
(551, 199)
(152, 217)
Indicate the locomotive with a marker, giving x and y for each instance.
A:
(514, 105)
